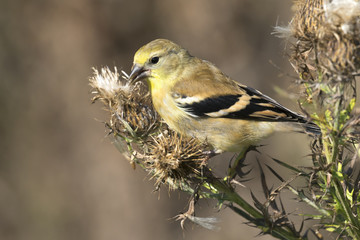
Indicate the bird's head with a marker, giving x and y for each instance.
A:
(157, 62)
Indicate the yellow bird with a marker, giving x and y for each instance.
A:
(196, 99)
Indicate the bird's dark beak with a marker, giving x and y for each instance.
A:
(138, 73)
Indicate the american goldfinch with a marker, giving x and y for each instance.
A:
(196, 99)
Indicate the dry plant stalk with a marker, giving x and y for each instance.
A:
(324, 40)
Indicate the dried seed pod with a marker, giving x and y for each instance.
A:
(132, 113)
(327, 36)
(308, 18)
(340, 54)
(172, 158)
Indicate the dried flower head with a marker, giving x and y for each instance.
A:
(307, 19)
(173, 157)
(343, 14)
(339, 54)
(107, 84)
(327, 37)
(132, 113)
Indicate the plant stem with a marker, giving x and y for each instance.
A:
(354, 229)
(230, 195)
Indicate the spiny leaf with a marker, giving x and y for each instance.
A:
(275, 173)
(257, 203)
(287, 166)
(266, 190)
(243, 214)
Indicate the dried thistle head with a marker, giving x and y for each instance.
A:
(172, 158)
(327, 33)
(132, 113)
(307, 18)
(316, 18)
(301, 33)
(344, 14)
(340, 36)
(340, 54)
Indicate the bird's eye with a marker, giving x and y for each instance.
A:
(154, 60)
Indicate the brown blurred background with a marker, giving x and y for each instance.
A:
(60, 176)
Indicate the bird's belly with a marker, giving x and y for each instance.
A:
(231, 135)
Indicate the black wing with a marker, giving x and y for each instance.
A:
(251, 105)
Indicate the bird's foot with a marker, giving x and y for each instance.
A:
(209, 154)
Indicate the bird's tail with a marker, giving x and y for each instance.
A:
(311, 128)
(300, 126)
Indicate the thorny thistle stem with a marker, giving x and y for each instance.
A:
(325, 52)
